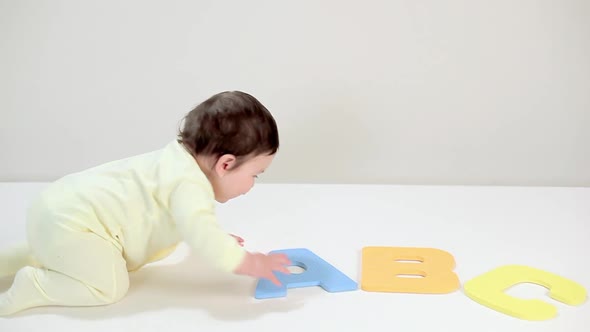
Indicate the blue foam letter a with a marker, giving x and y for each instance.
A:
(317, 272)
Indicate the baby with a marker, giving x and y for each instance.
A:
(87, 230)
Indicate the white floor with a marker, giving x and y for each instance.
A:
(483, 227)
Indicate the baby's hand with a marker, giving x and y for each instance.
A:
(262, 266)
(239, 239)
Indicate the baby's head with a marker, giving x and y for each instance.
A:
(233, 138)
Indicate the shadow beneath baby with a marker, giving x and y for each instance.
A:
(186, 285)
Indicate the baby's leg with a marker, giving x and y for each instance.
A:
(14, 259)
(78, 269)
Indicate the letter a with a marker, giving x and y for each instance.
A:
(317, 272)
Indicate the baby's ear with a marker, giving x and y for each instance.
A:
(225, 164)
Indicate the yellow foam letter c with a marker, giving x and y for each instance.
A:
(488, 290)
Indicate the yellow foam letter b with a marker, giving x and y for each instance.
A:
(488, 290)
(383, 270)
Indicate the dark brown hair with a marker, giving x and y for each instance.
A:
(230, 122)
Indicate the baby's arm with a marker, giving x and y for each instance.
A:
(193, 209)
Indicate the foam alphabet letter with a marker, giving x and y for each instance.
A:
(317, 272)
(488, 290)
(383, 270)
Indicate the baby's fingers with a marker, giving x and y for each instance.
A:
(282, 268)
(274, 279)
(280, 259)
(238, 239)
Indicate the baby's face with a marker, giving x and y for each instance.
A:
(239, 181)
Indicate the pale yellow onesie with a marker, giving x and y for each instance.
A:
(88, 229)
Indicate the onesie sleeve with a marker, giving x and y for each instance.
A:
(193, 210)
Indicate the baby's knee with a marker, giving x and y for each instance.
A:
(117, 291)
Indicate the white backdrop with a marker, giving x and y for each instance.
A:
(419, 92)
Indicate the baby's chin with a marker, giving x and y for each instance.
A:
(221, 200)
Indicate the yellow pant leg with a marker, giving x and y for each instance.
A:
(77, 268)
(14, 259)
